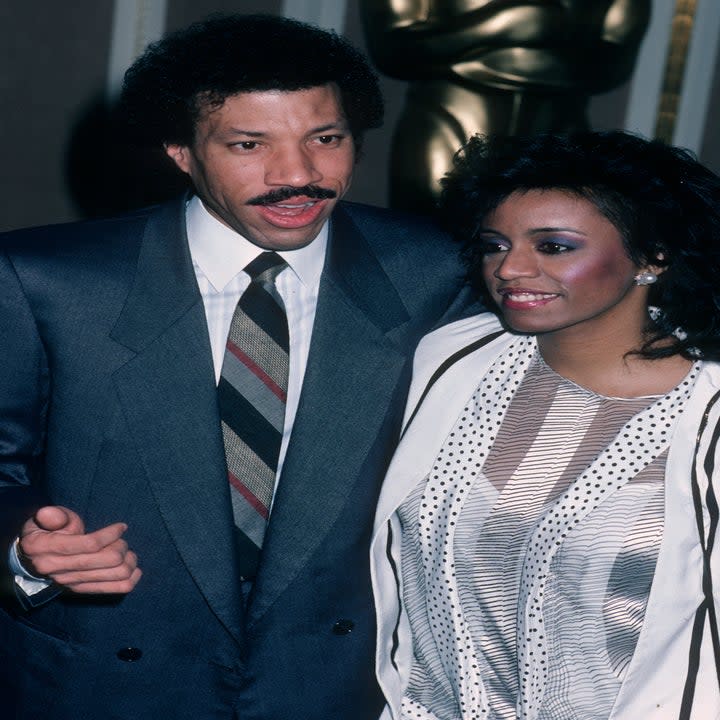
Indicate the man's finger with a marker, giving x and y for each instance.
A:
(56, 518)
(119, 572)
(116, 587)
(113, 556)
(40, 542)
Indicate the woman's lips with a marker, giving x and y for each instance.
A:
(522, 299)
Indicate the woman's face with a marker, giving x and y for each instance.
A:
(554, 263)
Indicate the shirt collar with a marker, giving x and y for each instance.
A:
(221, 253)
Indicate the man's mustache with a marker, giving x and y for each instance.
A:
(285, 193)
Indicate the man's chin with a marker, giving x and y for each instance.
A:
(279, 239)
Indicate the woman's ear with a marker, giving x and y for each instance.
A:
(657, 264)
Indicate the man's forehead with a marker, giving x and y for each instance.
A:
(207, 102)
(258, 112)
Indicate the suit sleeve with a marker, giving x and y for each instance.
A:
(23, 405)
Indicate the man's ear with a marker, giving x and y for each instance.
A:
(180, 155)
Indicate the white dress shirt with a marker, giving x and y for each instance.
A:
(219, 255)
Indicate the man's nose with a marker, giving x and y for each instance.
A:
(292, 166)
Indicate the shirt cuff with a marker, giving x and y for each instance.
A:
(26, 581)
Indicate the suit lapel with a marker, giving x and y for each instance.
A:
(353, 368)
(169, 397)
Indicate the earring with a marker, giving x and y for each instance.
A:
(646, 277)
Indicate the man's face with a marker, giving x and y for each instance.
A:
(271, 164)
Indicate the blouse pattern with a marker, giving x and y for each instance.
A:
(499, 644)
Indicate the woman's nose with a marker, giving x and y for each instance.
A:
(516, 263)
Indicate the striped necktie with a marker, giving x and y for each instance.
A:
(252, 393)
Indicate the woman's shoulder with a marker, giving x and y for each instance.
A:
(449, 339)
(437, 351)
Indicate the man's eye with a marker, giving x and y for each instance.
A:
(246, 145)
(329, 139)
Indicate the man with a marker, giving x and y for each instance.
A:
(122, 416)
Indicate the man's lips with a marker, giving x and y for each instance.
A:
(293, 195)
(291, 208)
(294, 213)
(296, 204)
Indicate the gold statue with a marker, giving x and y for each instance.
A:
(493, 66)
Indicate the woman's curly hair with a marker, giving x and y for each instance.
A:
(194, 70)
(664, 203)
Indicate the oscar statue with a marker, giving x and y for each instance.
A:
(493, 66)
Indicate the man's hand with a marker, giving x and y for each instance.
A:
(54, 545)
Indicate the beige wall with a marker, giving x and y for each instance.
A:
(57, 152)
(710, 149)
(52, 63)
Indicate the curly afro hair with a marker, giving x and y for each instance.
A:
(664, 203)
(193, 70)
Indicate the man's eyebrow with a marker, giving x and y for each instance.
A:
(339, 125)
(249, 133)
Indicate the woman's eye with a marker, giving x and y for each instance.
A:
(490, 247)
(550, 247)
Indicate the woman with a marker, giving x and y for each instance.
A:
(544, 544)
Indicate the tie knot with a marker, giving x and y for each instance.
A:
(266, 266)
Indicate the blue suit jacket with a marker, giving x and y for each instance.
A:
(108, 406)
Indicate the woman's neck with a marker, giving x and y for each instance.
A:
(610, 366)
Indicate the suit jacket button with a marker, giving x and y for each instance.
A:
(129, 654)
(343, 627)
